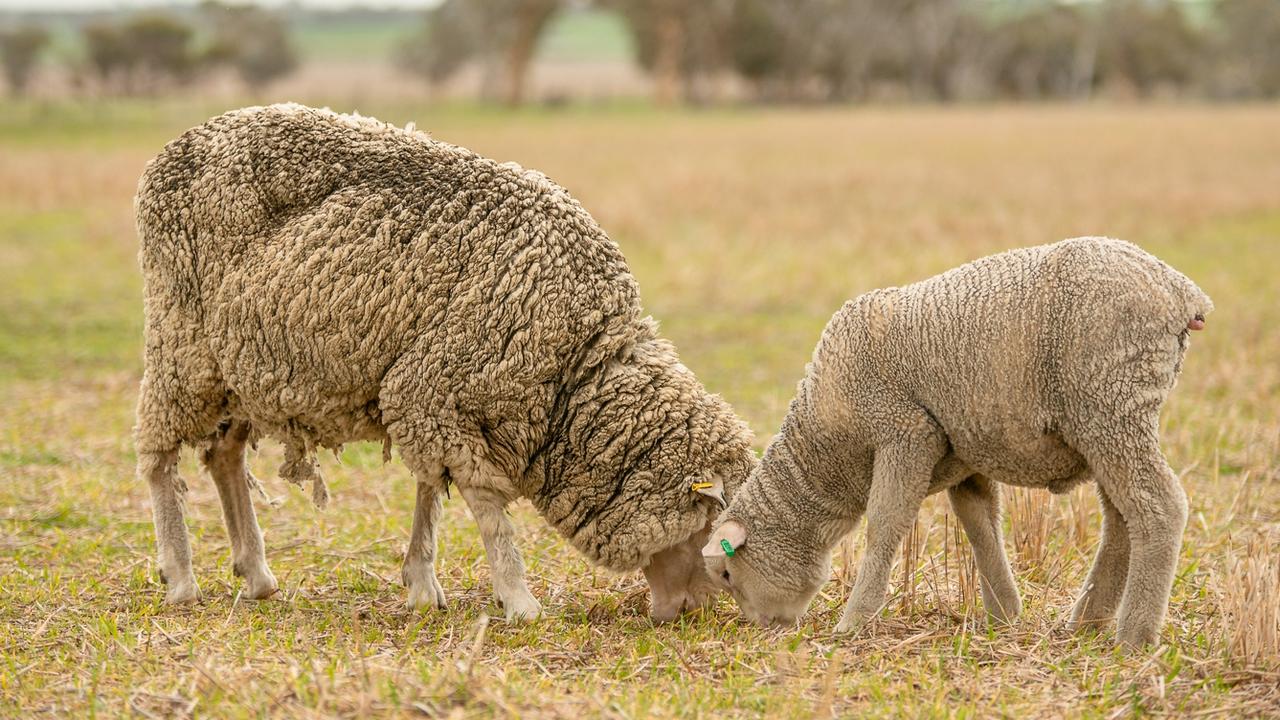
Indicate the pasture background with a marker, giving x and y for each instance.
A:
(746, 229)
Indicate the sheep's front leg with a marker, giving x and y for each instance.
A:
(899, 483)
(225, 462)
(160, 469)
(489, 509)
(419, 571)
(976, 502)
(1105, 585)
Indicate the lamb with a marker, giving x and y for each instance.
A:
(1041, 367)
(321, 278)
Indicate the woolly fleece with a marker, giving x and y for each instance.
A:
(323, 278)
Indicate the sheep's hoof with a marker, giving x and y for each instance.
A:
(521, 607)
(426, 594)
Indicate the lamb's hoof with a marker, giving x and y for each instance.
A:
(260, 585)
(182, 593)
(1131, 640)
(1002, 619)
(521, 607)
(426, 594)
(852, 622)
(1083, 625)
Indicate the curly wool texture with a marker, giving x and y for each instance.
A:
(1041, 367)
(330, 278)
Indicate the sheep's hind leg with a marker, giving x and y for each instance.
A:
(419, 571)
(505, 563)
(976, 502)
(1103, 589)
(899, 483)
(225, 462)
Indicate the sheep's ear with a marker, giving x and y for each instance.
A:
(731, 532)
(712, 487)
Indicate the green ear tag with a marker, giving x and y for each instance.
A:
(728, 549)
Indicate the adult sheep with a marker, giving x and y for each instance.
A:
(323, 278)
(1041, 367)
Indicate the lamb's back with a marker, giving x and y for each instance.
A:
(999, 349)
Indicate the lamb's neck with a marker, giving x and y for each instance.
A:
(808, 480)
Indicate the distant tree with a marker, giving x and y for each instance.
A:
(502, 35)
(162, 45)
(142, 54)
(680, 43)
(1145, 45)
(450, 37)
(838, 49)
(19, 50)
(253, 41)
(1248, 47)
(1046, 52)
(779, 45)
(862, 42)
(108, 55)
(757, 45)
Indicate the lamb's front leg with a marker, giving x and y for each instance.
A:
(489, 509)
(899, 483)
(419, 571)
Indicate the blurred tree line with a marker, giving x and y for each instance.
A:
(156, 51)
(847, 50)
(769, 50)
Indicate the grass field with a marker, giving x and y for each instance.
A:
(746, 230)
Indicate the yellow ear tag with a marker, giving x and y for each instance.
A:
(701, 486)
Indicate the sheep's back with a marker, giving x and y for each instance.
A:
(319, 250)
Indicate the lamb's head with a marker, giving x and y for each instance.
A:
(771, 567)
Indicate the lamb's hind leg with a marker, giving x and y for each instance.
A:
(489, 509)
(976, 502)
(1102, 590)
(1154, 507)
(419, 572)
(225, 462)
(900, 481)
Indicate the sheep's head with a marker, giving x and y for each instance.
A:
(772, 573)
(677, 581)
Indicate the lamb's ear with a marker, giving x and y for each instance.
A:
(712, 487)
(731, 532)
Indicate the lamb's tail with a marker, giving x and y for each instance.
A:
(1191, 305)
